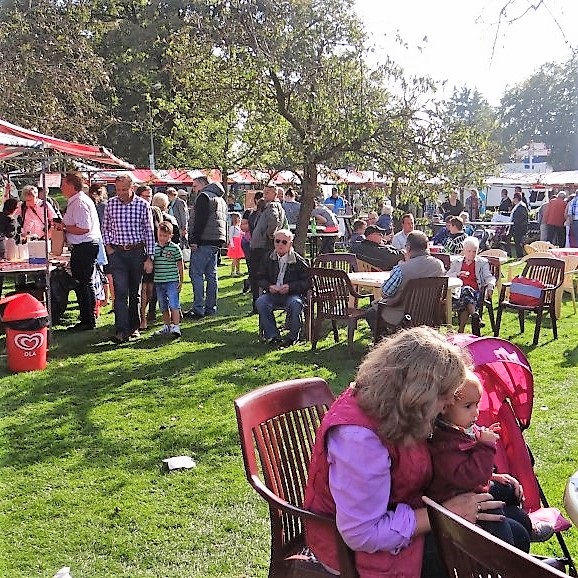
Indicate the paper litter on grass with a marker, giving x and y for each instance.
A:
(179, 462)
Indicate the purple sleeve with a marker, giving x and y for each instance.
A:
(360, 481)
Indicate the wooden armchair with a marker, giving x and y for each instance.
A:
(550, 272)
(277, 424)
(423, 304)
(345, 261)
(444, 258)
(467, 551)
(334, 298)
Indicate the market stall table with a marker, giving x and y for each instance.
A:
(376, 279)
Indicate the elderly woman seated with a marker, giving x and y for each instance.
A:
(476, 276)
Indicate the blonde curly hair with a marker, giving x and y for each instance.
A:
(400, 382)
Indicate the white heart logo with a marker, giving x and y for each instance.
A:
(29, 341)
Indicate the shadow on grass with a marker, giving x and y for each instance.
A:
(95, 395)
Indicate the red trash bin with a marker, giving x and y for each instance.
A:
(26, 321)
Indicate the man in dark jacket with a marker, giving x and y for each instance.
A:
(284, 278)
(374, 251)
(206, 237)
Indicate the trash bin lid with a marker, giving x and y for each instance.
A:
(22, 306)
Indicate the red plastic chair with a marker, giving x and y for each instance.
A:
(278, 423)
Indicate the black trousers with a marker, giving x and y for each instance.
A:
(82, 261)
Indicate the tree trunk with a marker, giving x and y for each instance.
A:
(309, 187)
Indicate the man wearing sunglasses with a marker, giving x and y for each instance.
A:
(284, 280)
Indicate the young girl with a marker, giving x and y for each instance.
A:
(463, 461)
(235, 251)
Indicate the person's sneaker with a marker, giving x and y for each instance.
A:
(135, 334)
(289, 341)
(192, 314)
(175, 331)
(541, 532)
(275, 341)
(164, 330)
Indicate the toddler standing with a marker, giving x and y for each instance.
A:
(235, 251)
(168, 279)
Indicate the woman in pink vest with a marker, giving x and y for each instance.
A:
(371, 465)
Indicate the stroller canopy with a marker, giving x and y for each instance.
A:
(504, 372)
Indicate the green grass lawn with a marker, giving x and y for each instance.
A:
(81, 478)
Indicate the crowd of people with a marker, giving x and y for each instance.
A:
(119, 238)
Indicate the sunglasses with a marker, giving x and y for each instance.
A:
(284, 241)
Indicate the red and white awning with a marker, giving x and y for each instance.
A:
(98, 154)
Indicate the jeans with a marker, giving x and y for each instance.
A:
(168, 296)
(82, 261)
(268, 302)
(126, 268)
(203, 266)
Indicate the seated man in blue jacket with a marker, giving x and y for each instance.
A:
(284, 278)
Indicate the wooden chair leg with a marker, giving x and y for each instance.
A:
(491, 316)
(351, 327)
(498, 321)
(539, 315)
(521, 320)
(315, 328)
(554, 323)
(335, 331)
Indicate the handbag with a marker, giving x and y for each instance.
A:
(526, 292)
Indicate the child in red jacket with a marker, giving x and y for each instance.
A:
(463, 461)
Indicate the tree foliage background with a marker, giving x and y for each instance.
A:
(260, 83)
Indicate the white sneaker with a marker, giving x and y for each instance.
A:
(175, 330)
(165, 330)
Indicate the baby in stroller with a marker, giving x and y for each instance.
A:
(463, 461)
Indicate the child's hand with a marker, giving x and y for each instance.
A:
(509, 480)
(495, 427)
(487, 435)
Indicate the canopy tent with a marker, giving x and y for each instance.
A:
(170, 177)
(97, 154)
(14, 146)
(19, 143)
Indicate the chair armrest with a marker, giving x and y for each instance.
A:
(278, 502)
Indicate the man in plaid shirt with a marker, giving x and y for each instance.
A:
(129, 244)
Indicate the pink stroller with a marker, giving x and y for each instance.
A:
(508, 396)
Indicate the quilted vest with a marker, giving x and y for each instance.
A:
(410, 474)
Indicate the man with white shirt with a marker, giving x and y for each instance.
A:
(399, 240)
(284, 280)
(82, 228)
